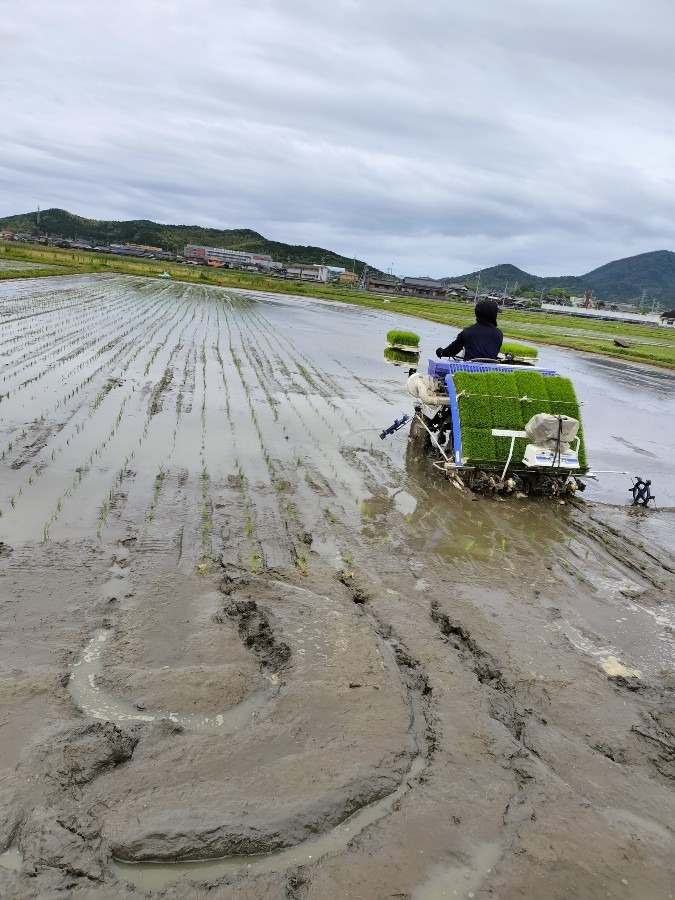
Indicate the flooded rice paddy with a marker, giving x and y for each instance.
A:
(249, 649)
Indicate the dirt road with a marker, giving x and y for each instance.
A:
(250, 650)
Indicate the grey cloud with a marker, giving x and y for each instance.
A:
(432, 137)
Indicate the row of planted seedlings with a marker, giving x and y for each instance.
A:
(99, 359)
(323, 458)
(77, 392)
(56, 327)
(160, 428)
(203, 527)
(269, 516)
(180, 407)
(314, 419)
(241, 480)
(83, 460)
(243, 441)
(377, 468)
(310, 382)
(316, 380)
(160, 432)
(67, 406)
(103, 325)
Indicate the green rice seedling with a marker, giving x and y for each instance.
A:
(478, 445)
(523, 350)
(408, 338)
(401, 356)
(508, 400)
(474, 404)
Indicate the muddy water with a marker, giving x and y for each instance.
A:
(97, 703)
(156, 876)
(197, 477)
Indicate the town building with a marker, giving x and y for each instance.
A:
(312, 272)
(232, 259)
(135, 250)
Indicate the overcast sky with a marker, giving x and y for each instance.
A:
(434, 138)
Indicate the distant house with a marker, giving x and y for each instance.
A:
(309, 272)
(382, 285)
(668, 318)
(422, 287)
(348, 278)
(457, 290)
(6, 235)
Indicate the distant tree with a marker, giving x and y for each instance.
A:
(614, 307)
(523, 289)
(600, 304)
(558, 292)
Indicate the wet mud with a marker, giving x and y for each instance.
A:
(250, 650)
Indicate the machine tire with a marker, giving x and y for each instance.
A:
(419, 442)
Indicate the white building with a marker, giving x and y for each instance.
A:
(311, 272)
(237, 259)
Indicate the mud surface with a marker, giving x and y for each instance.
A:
(236, 624)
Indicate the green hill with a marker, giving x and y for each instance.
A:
(622, 280)
(653, 273)
(59, 222)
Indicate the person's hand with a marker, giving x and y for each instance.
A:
(439, 353)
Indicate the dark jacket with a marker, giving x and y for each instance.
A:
(480, 341)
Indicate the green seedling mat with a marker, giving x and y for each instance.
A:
(488, 400)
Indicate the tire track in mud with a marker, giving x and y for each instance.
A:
(647, 565)
(252, 620)
(543, 776)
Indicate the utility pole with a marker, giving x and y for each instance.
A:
(362, 279)
(475, 296)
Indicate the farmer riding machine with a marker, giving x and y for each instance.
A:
(502, 425)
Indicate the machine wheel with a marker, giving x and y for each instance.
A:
(641, 492)
(418, 437)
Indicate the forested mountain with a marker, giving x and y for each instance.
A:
(623, 280)
(171, 237)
